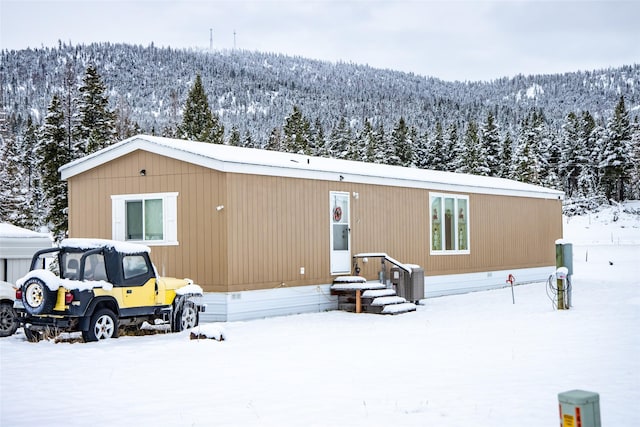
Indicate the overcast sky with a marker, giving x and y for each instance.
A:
(451, 40)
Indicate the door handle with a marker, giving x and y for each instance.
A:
(129, 291)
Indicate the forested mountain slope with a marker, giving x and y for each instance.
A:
(255, 92)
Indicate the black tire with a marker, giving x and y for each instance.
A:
(186, 317)
(103, 325)
(33, 336)
(37, 298)
(8, 319)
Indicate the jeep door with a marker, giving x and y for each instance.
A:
(139, 284)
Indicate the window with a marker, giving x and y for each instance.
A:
(449, 215)
(147, 218)
(133, 266)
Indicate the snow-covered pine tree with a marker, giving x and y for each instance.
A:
(634, 191)
(234, 137)
(32, 177)
(422, 151)
(318, 142)
(525, 166)
(54, 153)
(435, 155)
(450, 151)
(275, 140)
(472, 158)
(402, 150)
(506, 156)
(12, 192)
(490, 139)
(340, 140)
(615, 164)
(198, 122)
(297, 133)
(96, 121)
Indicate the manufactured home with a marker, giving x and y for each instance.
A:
(267, 233)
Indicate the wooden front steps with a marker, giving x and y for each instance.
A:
(371, 297)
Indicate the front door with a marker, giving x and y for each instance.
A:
(339, 234)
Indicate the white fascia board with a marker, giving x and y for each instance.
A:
(329, 170)
(384, 181)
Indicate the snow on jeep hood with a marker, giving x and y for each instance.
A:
(53, 282)
(122, 247)
(190, 289)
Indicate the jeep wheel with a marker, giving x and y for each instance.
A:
(37, 297)
(103, 325)
(186, 318)
(8, 320)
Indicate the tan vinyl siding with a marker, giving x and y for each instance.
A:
(201, 233)
(270, 226)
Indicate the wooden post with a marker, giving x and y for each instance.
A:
(560, 294)
(358, 301)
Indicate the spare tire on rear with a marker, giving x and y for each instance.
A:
(37, 297)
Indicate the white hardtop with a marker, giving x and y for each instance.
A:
(232, 159)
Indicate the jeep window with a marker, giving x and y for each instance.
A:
(94, 268)
(133, 266)
(71, 265)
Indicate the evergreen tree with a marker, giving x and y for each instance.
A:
(525, 159)
(490, 139)
(32, 179)
(436, 156)
(275, 140)
(340, 140)
(472, 158)
(450, 152)
(96, 121)
(234, 137)
(422, 152)
(318, 142)
(506, 157)
(12, 192)
(615, 163)
(297, 133)
(198, 122)
(635, 160)
(402, 145)
(54, 153)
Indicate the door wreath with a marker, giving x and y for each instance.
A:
(337, 214)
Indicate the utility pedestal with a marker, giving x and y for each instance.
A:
(579, 408)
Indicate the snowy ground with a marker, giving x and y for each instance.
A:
(466, 360)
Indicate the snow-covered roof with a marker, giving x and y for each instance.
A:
(20, 243)
(227, 158)
(122, 247)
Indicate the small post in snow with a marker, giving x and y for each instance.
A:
(510, 280)
(358, 301)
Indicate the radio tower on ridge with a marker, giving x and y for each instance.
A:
(210, 39)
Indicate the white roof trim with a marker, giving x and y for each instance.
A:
(230, 159)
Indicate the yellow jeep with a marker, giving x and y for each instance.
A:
(98, 286)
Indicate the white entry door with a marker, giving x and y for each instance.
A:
(340, 228)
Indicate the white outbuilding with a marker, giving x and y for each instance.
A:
(17, 246)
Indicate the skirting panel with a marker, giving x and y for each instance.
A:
(234, 306)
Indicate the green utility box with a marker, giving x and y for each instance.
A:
(579, 408)
(564, 255)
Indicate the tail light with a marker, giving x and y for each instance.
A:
(68, 298)
(18, 294)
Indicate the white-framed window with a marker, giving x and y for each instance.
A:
(449, 223)
(149, 218)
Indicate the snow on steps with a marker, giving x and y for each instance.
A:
(404, 307)
(375, 297)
